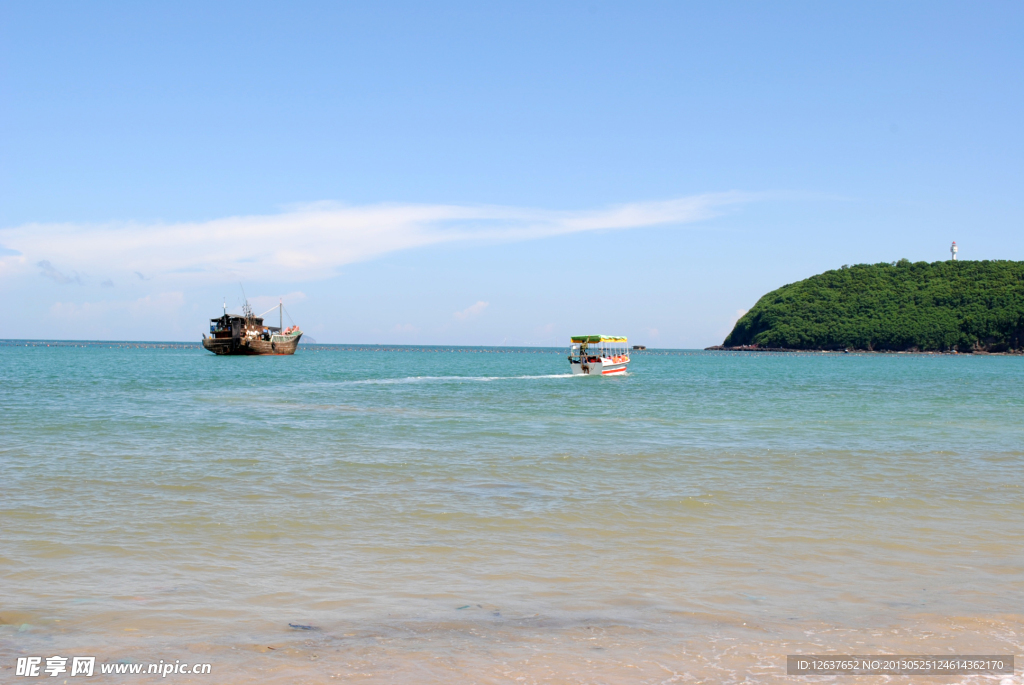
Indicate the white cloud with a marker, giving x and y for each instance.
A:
(724, 332)
(472, 310)
(149, 306)
(313, 241)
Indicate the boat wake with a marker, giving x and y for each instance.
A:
(436, 379)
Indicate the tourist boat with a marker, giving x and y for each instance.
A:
(598, 355)
(246, 334)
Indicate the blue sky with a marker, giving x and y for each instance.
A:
(490, 173)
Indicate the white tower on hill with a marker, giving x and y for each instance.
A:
(952, 250)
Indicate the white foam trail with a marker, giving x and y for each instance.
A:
(427, 379)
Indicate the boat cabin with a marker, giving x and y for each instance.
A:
(237, 326)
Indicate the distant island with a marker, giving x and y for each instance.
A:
(961, 306)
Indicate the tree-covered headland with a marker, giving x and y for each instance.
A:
(942, 306)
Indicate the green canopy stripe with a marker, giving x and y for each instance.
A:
(598, 338)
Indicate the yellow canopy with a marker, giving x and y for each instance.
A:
(598, 338)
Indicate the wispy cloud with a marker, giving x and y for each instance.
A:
(262, 303)
(472, 310)
(151, 305)
(49, 271)
(313, 241)
(723, 332)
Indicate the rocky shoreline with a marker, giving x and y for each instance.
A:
(756, 348)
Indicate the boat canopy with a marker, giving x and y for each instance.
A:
(598, 338)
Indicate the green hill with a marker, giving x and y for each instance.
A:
(966, 306)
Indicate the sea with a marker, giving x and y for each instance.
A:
(384, 514)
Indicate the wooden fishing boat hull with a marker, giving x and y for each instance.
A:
(277, 345)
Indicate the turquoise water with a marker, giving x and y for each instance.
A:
(479, 515)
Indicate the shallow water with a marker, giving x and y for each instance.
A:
(480, 516)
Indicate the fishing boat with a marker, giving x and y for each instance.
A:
(598, 355)
(245, 334)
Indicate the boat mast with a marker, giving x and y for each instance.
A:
(280, 315)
